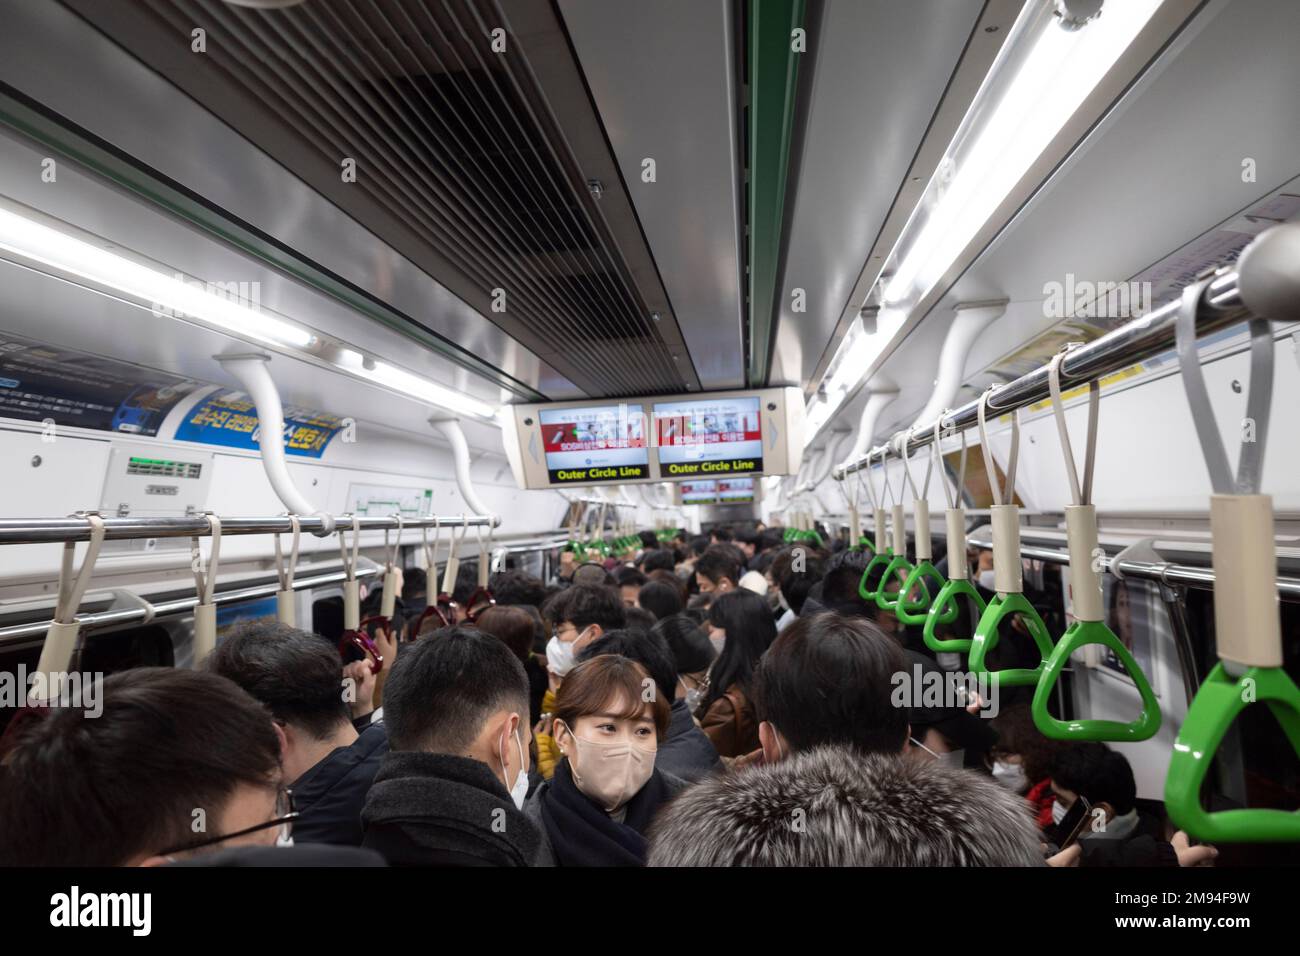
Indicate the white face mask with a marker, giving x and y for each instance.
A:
(950, 758)
(692, 697)
(1010, 775)
(987, 580)
(519, 789)
(560, 656)
(1058, 811)
(609, 773)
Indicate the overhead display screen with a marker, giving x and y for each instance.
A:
(600, 443)
(699, 492)
(735, 491)
(709, 436)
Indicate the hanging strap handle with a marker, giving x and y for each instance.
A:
(388, 600)
(452, 570)
(61, 636)
(1000, 495)
(920, 502)
(351, 588)
(285, 611)
(205, 583)
(431, 562)
(952, 495)
(482, 557)
(1258, 401)
(1082, 492)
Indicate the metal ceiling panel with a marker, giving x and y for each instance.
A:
(1162, 168)
(881, 70)
(664, 78)
(53, 56)
(456, 165)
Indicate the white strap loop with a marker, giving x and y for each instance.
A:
(72, 587)
(1082, 493)
(282, 571)
(350, 566)
(431, 562)
(452, 571)
(1000, 496)
(205, 582)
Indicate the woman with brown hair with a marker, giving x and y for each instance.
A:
(598, 806)
(517, 627)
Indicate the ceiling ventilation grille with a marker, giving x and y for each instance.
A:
(452, 141)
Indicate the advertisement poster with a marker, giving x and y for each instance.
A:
(229, 418)
(602, 443)
(709, 436)
(41, 383)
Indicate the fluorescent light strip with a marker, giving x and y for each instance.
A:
(1059, 73)
(38, 243)
(400, 380)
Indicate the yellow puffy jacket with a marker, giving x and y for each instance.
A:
(548, 752)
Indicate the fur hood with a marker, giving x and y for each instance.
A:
(832, 806)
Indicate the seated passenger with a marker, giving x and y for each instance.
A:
(741, 629)
(684, 751)
(449, 791)
(299, 678)
(833, 787)
(661, 600)
(168, 764)
(596, 809)
(692, 655)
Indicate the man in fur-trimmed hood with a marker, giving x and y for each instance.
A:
(836, 806)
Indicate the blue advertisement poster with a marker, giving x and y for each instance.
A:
(229, 418)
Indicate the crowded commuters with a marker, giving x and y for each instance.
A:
(741, 630)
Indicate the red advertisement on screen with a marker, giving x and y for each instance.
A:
(590, 435)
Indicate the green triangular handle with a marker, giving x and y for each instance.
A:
(916, 612)
(1076, 636)
(944, 610)
(1218, 702)
(898, 566)
(986, 638)
(879, 559)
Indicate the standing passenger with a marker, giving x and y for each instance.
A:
(741, 628)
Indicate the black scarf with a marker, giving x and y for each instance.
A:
(583, 834)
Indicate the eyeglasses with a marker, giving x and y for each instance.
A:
(285, 814)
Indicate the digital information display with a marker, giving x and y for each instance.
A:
(601, 443)
(709, 436)
(735, 491)
(699, 492)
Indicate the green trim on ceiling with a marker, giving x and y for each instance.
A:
(87, 150)
(773, 80)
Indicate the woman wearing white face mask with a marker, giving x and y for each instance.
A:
(597, 807)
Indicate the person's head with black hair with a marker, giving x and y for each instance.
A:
(795, 571)
(119, 784)
(943, 728)
(517, 588)
(660, 559)
(646, 648)
(770, 539)
(671, 579)
(722, 534)
(299, 678)
(661, 600)
(828, 679)
(1022, 756)
(717, 570)
(638, 619)
(699, 544)
(649, 540)
(841, 579)
(688, 643)
(415, 587)
(513, 625)
(579, 615)
(630, 581)
(464, 693)
(466, 585)
(1092, 770)
(740, 622)
(747, 541)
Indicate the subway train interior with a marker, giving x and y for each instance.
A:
(902, 392)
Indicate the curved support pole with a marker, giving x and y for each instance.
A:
(971, 319)
(450, 429)
(877, 401)
(251, 371)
